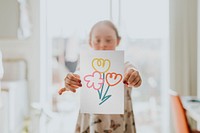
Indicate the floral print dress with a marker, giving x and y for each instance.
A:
(109, 123)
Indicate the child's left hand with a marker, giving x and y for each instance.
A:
(132, 78)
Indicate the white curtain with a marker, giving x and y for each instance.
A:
(24, 29)
(1, 69)
(1, 75)
(183, 46)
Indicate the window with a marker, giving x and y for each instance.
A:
(143, 25)
(144, 28)
(68, 25)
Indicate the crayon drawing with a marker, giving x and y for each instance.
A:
(102, 75)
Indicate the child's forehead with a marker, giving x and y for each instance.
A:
(105, 30)
(103, 36)
(103, 27)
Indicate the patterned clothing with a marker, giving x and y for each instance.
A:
(109, 123)
(103, 123)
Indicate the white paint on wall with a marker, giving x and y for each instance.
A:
(29, 50)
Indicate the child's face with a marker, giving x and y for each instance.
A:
(104, 38)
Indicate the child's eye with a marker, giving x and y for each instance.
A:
(97, 41)
(108, 41)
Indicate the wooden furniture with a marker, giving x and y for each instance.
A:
(179, 115)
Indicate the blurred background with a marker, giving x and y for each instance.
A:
(40, 43)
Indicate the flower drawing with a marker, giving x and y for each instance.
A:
(113, 78)
(101, 65)
(94, 80)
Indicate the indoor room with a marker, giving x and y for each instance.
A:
(46, 45)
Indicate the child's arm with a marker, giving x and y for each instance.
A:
(132, 77)
(72, 81)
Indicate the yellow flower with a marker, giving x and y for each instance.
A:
(101, 65)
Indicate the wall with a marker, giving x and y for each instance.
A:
(29, 50)
(198, 52)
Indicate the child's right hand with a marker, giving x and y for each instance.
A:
(72, 82)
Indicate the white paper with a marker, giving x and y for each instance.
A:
(102, 69)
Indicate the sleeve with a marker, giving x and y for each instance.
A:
(129, 66)
(78, 67)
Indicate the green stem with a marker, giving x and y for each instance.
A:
(106, 92)
(100, 93)
(105, 98)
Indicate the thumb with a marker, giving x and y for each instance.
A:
(77, 76)
(61, 91)
(126, 77)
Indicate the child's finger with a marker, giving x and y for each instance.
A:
(132, 77)
(66, 89)
(126, 77)
(61, 91)
(72, 82)
(138, 83)
(76, 75)
(73, 77)
(71, 86)
(73, 90)
(135, 81)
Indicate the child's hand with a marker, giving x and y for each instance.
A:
(132, 78)
(72, 82)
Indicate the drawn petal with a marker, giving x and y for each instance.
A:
(94, 80)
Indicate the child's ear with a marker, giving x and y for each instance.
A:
(118, 40)
(90, 42)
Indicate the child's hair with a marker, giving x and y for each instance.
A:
(106, 22)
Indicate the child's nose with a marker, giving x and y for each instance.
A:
(103, 45)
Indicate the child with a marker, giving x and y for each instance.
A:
(104, 36)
